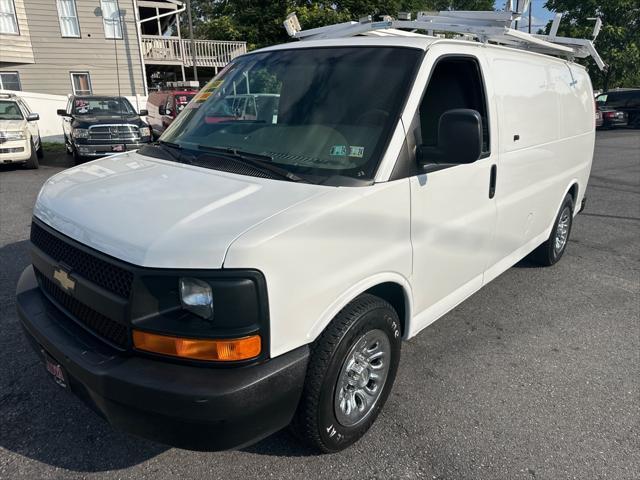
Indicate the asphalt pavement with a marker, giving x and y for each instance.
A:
(536, 376)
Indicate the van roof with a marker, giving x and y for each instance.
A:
(419, 41)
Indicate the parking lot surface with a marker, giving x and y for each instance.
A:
(535, 377)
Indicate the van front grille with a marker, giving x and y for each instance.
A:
(109, 330)
(110, 277)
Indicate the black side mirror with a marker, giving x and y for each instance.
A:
(33, 117)
(162, 110)
(62, 112)
(459, 139)
(144, 113)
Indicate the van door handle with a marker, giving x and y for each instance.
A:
(492, 181)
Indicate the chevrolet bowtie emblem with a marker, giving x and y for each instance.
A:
(63, 278)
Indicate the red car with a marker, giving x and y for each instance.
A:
(165, 105)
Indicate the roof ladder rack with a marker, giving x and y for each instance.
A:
(484, 26)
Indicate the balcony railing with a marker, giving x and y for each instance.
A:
(209, 53)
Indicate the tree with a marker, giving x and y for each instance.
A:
(618, 43)
(259, 23)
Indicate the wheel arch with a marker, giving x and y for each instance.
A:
(392, 287)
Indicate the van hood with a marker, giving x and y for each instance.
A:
(157, 213)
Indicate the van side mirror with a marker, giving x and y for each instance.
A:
(33, 117)
(62, 112)
(459, 139)
(144, 113)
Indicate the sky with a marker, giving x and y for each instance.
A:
(540, 15)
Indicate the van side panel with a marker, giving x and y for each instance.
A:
(321, 254)
(547, 133)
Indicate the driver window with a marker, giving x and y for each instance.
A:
(456, 82)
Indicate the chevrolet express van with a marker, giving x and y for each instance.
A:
(240, 276)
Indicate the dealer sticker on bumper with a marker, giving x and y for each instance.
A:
(55, 370)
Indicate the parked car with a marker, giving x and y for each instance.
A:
(95, 126)
(210, 288)
(613, 118)
(620, 107)
(598, 118)
(20, 140)
(164, 105)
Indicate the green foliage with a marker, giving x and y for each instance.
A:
(259, 23)
(618, 43)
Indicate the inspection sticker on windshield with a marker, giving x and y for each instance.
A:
(338, 151)
(357, 152)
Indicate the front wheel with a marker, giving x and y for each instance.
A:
(351, 371)
(552, 250)
(33, 159)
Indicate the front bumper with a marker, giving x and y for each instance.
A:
(102, 150)
(187, 406)
(15, 151)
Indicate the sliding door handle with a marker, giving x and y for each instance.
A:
(492, 181)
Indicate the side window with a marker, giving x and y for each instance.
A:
(456, 82)
(634, 99)
(10, 80)
(81, 83)
(8, 19)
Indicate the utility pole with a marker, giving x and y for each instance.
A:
(530, 8)
(193, 42)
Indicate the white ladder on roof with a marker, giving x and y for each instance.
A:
(485, 26)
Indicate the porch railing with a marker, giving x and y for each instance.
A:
(209, 53)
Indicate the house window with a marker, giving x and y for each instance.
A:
(81, 82)
(8, 21)
(10, 81)
(68, 16)
(111, 19)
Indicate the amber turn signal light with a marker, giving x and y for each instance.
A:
(225, 350)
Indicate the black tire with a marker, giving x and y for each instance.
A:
(68, 147)
(77, 158)
(33, 159)
(316, 421)
(548, 253)
(40, 151)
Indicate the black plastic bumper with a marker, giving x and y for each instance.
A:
(194, 407)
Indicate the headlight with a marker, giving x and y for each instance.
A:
(197, 297)
(13, 135)
(80, 133)
(145, 131)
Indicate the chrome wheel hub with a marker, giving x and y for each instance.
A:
(562, 231)
(362, 378)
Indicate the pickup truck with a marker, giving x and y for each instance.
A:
(98, 126)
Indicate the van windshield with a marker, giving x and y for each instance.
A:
(315, 112)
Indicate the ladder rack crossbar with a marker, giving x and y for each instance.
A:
(485, 26)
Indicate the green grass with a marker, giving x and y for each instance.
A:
(50, 147)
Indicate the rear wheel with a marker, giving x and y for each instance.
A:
(33, 159)
(351, 371)
(552, 250)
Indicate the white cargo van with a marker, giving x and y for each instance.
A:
(244, 274)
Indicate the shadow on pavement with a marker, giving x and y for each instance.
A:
(46, 423)
(39, 419)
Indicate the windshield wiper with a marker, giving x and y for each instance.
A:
(261, 162)
(174, 150)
